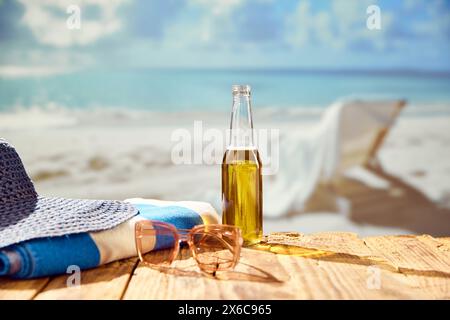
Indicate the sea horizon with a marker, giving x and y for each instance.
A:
(209, 89)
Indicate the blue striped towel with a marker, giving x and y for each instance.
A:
(54, 255)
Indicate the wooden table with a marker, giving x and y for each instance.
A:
(285, 266)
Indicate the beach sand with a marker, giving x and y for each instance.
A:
(115, 154)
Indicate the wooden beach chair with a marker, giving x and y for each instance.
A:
(349, 134)
(363, 127)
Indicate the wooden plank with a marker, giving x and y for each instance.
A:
(344, 268)
(337, 242)
(445, 241)
(181, 280)
(259, 275)
(328, 265)
(105, 282)
(423, 259)
(433, 287)
(440, 246)
(321, 244)
(437, 287)
(21, 289)
(292, 273)
(343, 277)
(411, 253)
(250, 280)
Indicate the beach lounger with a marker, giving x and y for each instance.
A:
(363, 128)
(349, 134)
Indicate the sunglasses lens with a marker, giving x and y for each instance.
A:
(159, 239)
(215, 248)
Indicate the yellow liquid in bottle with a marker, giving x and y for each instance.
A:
(242, 193)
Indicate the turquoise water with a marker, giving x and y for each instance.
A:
(173, 90)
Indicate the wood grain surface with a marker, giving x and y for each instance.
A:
(284, 266)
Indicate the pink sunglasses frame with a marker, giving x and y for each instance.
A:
(146, 228)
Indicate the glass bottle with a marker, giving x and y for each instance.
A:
(241, 171)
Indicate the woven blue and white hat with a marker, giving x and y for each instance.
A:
(25, 215)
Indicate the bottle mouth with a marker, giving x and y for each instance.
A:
(241, 89)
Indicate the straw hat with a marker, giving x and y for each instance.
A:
(25, 215)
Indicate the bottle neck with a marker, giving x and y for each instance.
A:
(241, 133)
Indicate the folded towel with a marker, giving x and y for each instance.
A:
(53, 255)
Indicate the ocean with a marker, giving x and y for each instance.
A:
(184, 90)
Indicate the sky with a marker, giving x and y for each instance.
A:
(314, 34)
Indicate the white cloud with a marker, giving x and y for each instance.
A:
(439, 29)
(300, 24)
(212, 25)
(218, 7)
(47, 21)
(16, 71)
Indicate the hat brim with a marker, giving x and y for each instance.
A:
(50, 217)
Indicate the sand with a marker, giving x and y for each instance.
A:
(116, 154)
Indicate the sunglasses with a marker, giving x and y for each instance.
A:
(215, 247)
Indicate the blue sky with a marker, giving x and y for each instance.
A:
(415, 34)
